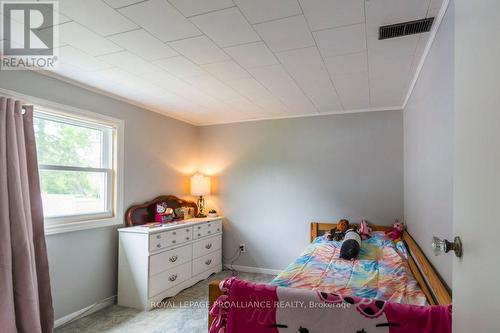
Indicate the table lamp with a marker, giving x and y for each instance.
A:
(200, 186)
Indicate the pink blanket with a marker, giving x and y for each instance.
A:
(246, 307)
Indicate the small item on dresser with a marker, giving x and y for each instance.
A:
(163, 214)
(365, 230)
(339, 231)
(188, 212)
(396, 232)
(351, 244)
(180, 213)
(212, 213)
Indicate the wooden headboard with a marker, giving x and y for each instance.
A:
(433, 286)
(144, 213)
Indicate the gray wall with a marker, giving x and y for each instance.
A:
(428, 157)
(160, 153)
(274, 177)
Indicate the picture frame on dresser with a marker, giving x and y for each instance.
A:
(158, 262)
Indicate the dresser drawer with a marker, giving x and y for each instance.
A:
(206, 246)
(206, 262)
(214, 227)
(170, 238)
(169, 259)
(158, 241)
(179, 236)
(199, 230)
(168, 279)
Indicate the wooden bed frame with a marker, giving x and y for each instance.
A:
(432, 285)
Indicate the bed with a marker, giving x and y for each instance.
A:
(396, 272)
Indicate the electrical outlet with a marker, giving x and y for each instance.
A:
(243, 248)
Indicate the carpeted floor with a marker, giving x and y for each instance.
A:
(175, 317)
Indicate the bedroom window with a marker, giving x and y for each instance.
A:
(78, 167)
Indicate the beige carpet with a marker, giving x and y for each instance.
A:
(175, 317)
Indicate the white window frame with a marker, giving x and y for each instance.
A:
(114, 215)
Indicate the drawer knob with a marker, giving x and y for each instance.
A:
(218, 229)
(209, 225)
(173, 258)
(209, 231)
(174, 233)
(208, 262)
(187, 230)
(199, 227)
(173, 241)
(187, 238)
(158, 245)
(208, 246)
(172, 278)
(158, 236)
(199, 235)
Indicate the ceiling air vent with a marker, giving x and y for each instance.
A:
(405, 28)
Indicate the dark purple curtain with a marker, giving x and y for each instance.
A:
(25, 295)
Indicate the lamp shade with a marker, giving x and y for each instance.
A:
(200, 184)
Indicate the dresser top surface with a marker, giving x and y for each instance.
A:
(152, 229)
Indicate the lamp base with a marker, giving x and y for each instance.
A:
(201, 207)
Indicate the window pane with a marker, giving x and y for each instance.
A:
(59, 143)
(72, 192)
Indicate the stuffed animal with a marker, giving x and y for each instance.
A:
(163, 213)
(339, 231)
(396, 232)
(351, 244)
(365, 230)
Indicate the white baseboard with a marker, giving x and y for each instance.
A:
(250, 269)
(85, 311)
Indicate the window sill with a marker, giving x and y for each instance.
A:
(60, 228)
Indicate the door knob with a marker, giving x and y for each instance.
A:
(441, 246)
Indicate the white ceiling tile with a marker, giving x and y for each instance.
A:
(128, 62)
(389, 80)
(353, 90)
(175, 85)
(227, 70)
(277, 80)
(347, 64)
(226, 27)
(72, 56)
(382, 12)
(392, 47)
(196, 7)
(333, 13)
(161, 19)
(307, 68)
(436, 4)
(343, 40)
(254, 91)
(143, 44)
(82, 38)
(257, 11)
(121, 3)
(96, 15)
(286, 34)
(200, 50)
(214, 87)
(180, 67)
(252, 55)
(433, 12)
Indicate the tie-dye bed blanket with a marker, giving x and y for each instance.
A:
(246, 307)
(381, 271)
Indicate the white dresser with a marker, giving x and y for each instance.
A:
(155, 263)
